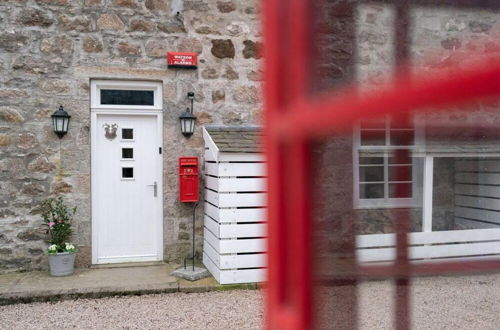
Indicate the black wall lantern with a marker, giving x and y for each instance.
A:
(187, 118)
(60, 122)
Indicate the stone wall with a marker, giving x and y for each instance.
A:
(49, 51)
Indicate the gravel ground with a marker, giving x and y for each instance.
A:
(471, 302)
(239, 309)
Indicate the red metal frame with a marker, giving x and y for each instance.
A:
(289, 128)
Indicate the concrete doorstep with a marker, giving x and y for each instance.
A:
(102, 282)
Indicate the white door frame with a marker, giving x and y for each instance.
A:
(156, 111)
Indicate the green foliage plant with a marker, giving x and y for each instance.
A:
(57, 218)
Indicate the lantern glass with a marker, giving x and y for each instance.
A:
(187, 120)
(60, 122)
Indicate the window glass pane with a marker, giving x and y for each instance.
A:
(402, 137)
(127, 153)
(370, 191)
(400, 173)
(127, 134)
(127, 172)
(127, 97)
(372, 137)
(371, 160)
(371, 173)
(406, 187)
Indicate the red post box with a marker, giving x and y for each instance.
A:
(188, 179)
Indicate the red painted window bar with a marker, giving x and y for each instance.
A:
(296, 116)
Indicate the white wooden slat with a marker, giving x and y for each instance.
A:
(242, 261)
(478, 165)
(242, 245)
(211, 225)
(235, 169)
(212, 211)
(212, 268)
(434, 251)
(235, 184)
(242, 184)
(477, 178)
(211, 239)
(454, 250)
(478, 202)
(379, 255)
(477, 190)
(485, 215)
(209, 156)
(241, 157)
(212, 182)
(475, 224)
(427, 193)
(242, 276)
(212, 253)
(212, 169)
(235, 200)
(212, 197)
(235, 245)
(234, 276)
(243, 215)
(242, 200)
(235, 230)
(235, 215)
(242, 230)
(435, 237)
(235, 261)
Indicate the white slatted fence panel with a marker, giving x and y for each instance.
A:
(456, 243)
(477, 193)
(235, 216)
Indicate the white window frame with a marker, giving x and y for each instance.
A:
(97, 85)
(417, 166)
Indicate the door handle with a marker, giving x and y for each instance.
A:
(155, 187)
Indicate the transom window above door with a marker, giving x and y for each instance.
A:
(122, 95)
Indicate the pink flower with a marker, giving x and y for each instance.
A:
(60, 221)
(51, 224)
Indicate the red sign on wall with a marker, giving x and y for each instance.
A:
(182, 60)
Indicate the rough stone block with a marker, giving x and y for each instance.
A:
(226, 6)
(110, 22)
(12, 41)
(223, 48)
(78, 23)
(34, 17)
(141, 25)
(10, 115)
(92, 45)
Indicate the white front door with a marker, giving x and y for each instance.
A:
(127, 199)
(126, 141)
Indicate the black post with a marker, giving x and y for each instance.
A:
(193, 252)
(194, 216)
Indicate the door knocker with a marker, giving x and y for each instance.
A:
(110, 131)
